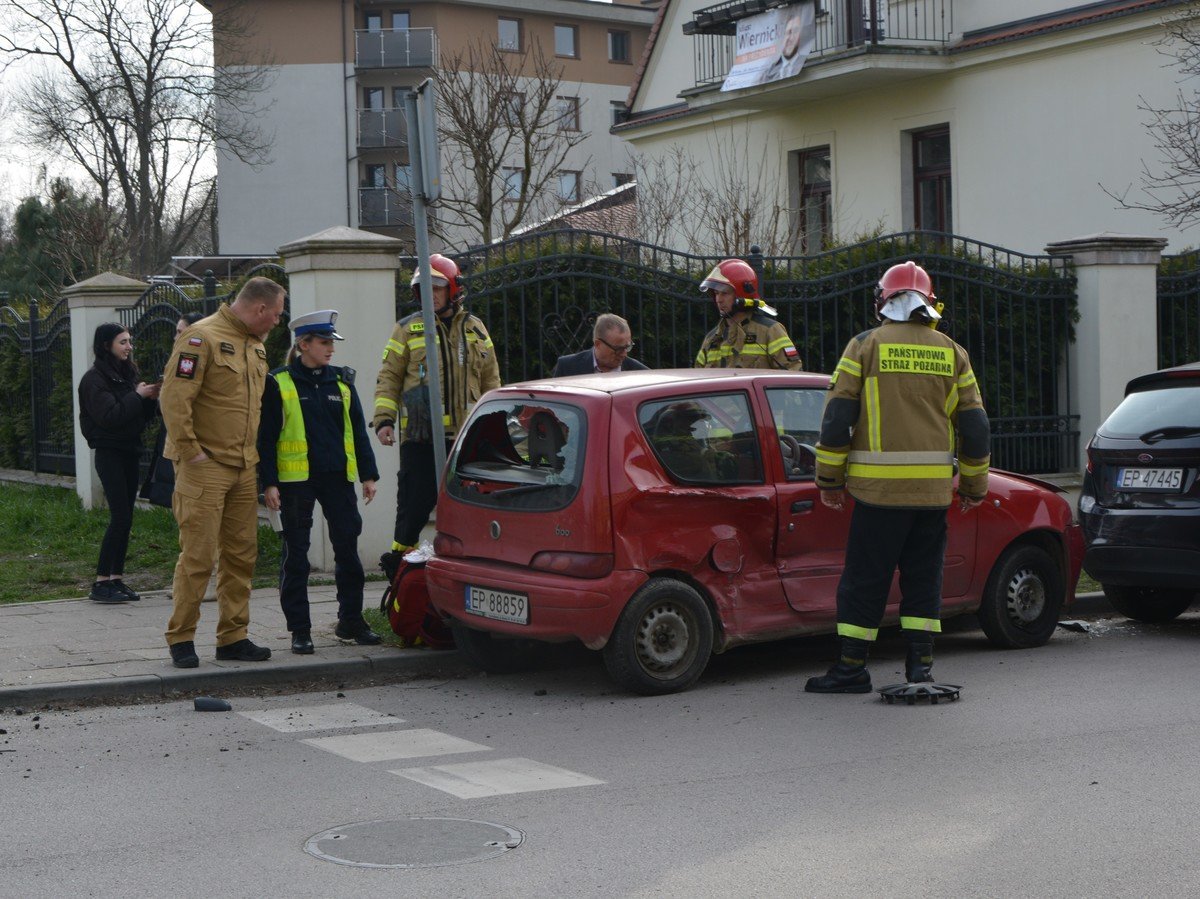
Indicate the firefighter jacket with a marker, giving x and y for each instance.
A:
(312, 422)
(903, 401)
(468, 365)
(212, 391)
(756, 340)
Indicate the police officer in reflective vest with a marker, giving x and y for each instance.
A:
(902, 403)
(468, 368)
(313, 446)
(748, 336)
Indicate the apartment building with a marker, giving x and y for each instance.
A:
(336, 108)
(1012, 123)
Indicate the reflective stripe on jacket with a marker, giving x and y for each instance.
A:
(758, 341)
(902, 403)
(292, 446)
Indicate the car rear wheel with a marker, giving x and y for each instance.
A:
(662, 641)
(1022, 599)
(494, 655)
(1150, 604)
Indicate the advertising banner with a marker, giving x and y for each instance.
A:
(771, 46)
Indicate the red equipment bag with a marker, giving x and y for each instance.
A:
(406, 604)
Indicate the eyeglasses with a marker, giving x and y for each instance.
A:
(617, 349)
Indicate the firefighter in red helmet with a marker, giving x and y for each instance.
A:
(903, 403)
(468, 368)
(748, 335)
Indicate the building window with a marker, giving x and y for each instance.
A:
(816, 194)
(620, 112)
(373, 20)
(374, 175)
(401, 21)
(931, 180)
(513, 179)
(620, 178)
(509, 37)
(398, 94)
(566, 41)
(568, 113)
(403, 178)
(618, 46)
(373, 98)
(568, 186)
(514, 106)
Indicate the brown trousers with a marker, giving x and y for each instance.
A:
(216, 507)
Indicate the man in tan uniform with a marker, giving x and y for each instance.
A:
(211, 401)
(748, 336)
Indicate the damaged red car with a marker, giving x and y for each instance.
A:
(663, 516)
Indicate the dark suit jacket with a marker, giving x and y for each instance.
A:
(584, 364)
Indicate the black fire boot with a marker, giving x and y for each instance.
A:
(919, 662)
(849, 675)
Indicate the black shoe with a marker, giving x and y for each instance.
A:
(124, 588)
(183, 655)
(841, 679)
(302, 642)
(107, 592)
(918, 665)
(358, 631)
(243, 651)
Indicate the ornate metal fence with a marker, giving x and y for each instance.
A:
(1014, 313)
(1179, 309)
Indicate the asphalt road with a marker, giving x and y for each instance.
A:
(1063, 771)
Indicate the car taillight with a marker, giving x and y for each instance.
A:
(591, 565)
(1090, 460)
(445, 545)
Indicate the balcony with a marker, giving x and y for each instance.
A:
(382, 128)
(395, 48)
(383, 207)
(842, 28)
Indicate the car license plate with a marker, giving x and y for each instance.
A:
(498, 605)
(1166, 479)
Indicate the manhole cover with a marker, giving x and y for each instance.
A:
(413, 842)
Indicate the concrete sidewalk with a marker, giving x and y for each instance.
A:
(76, 649)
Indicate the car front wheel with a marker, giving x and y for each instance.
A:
(662, 641)
(1020, 604)
(1150, 604)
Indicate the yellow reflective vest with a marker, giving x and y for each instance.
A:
(902, 405)
(291, 450)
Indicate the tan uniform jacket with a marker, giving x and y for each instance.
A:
(212, 391)
(758, 341)
(469, 368)
(902, 404)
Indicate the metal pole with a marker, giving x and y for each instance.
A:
(433, 360)
(34, 419)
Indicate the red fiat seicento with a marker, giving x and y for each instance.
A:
(662, 516)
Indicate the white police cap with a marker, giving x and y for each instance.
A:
(319, 323)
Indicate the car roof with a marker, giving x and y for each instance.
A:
(1189, 372)
(655, 380)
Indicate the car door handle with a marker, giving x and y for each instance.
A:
(802, 505)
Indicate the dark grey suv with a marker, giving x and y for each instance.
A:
(1140, 504)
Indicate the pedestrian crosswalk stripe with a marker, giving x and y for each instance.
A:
(331, 716)
(394, 744)
(473, 780)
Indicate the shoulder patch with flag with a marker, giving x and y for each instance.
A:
(195, 341)
(790, 351)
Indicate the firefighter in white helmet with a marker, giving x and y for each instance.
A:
(903, 403)
(748, 335)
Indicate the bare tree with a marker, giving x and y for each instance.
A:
(505, 136)
(128, 91)
(1171, 187)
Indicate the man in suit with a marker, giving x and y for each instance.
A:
(611, 342)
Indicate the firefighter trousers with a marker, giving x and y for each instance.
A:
(880, 541)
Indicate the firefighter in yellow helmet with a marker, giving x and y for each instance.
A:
(902, 404)
(748, 335)
(468, 368)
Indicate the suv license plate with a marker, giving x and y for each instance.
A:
(498, 604)
(1164, 479)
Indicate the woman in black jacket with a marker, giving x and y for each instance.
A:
(114, 409)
